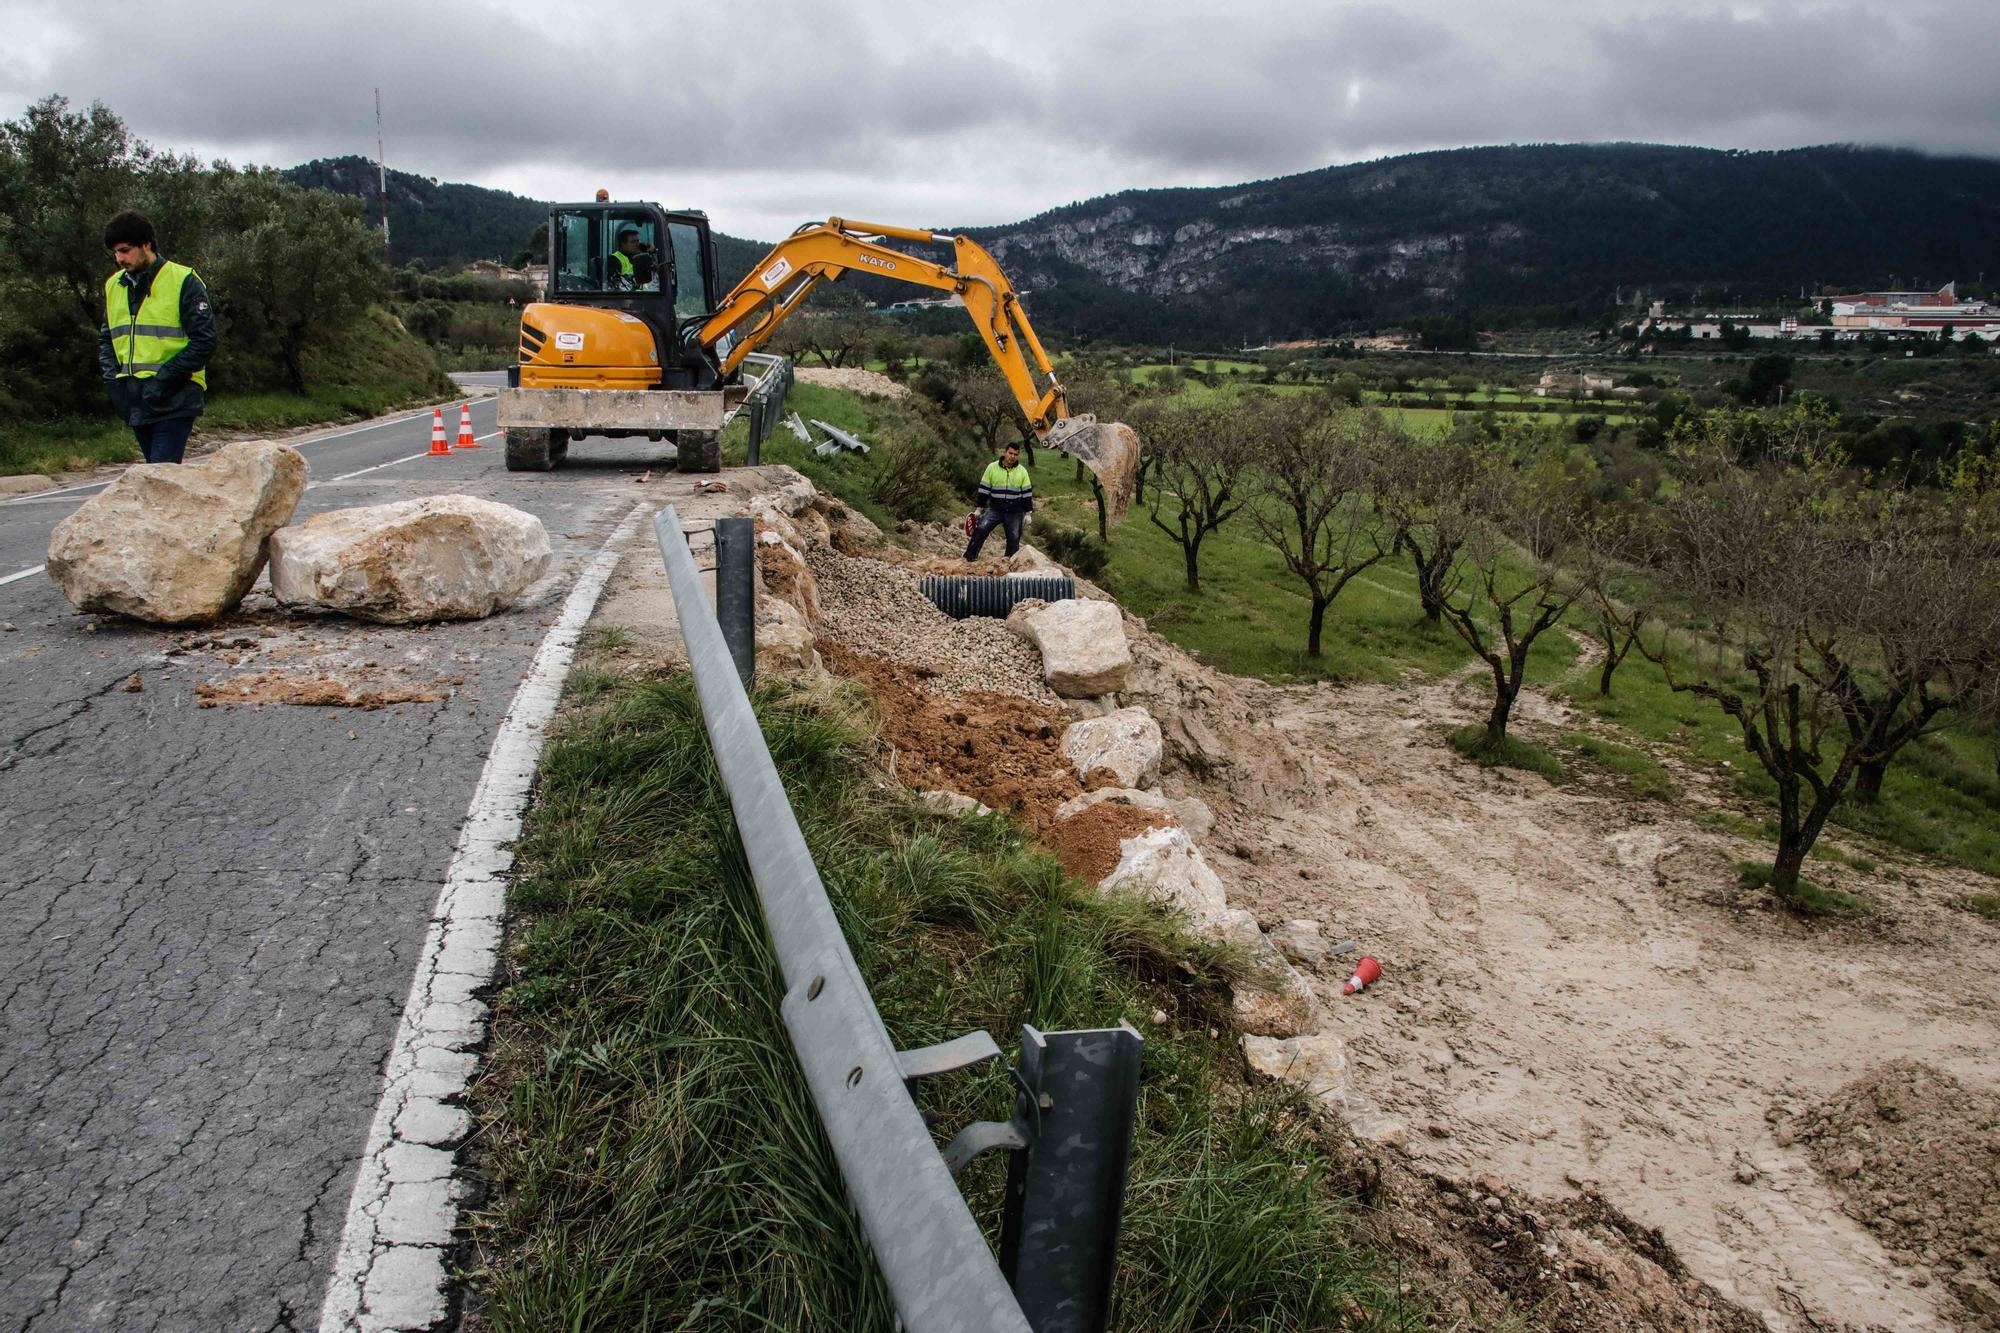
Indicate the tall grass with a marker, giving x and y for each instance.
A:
(655, 1160)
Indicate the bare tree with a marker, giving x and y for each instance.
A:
(1856, 617)
(1512, 581)
(1428, 494)
(1316, 473)
(832, 338)
(1200, 455)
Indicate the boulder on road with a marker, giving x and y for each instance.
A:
(448, 557)
(1083, 646)
(178, 544)
(1125, 743)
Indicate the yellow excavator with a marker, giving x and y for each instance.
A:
(633, 340)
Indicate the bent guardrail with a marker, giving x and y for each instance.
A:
(1070, 1131)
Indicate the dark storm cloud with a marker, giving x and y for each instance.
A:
(983, 114)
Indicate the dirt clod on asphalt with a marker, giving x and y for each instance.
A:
(315, 690)
(1916, 1156)
(1000, 749)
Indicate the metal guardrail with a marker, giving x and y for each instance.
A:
(766, 403)
(1070, 1131)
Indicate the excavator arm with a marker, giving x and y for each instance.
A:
(826, 251)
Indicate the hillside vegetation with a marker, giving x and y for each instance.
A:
(1556, 231)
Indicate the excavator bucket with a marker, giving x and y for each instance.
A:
(1075, 436)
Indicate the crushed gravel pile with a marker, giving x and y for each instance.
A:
(1916, 1154)
(875, 608)
(852, 379)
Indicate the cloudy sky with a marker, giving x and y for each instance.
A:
(943, 113)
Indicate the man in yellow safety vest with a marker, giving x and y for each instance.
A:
(156, 340)
(1008, 493)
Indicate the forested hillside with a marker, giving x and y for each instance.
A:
(448, 225)
(1551, 231)
(1548, 233)
(443, 225)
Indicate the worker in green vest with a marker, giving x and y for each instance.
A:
(633, 263)
(157, 337)
(1008, 493)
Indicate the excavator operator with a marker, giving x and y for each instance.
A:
(632, 263)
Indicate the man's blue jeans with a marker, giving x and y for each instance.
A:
(164, 441)
(988, 520)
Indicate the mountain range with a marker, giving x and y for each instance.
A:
(1556, 233)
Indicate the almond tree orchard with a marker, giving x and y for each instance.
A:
(1856, 619)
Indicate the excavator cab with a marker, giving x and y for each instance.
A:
(624, 278)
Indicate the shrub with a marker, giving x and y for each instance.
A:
(1080, 550)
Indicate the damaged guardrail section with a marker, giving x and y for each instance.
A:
(1070, 1132)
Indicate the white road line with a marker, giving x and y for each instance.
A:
(20, 574)
(391, 463)
(389, 1272)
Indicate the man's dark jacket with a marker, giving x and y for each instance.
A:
(171, 394)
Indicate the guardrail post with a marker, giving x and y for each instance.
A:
(736, 592)
(1066, 1188)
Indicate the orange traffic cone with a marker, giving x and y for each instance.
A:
(438, 446)
(1366, 973)
(465, 440)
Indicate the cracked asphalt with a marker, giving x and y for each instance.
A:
(213, 913)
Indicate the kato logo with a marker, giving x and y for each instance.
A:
(877, 263)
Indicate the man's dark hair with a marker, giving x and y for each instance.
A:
(128, 228)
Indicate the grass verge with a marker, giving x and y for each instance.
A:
(655, 1159)
(1808, 899)
(1512, 752)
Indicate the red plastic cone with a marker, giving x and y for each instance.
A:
(438, 446)
(465, 440)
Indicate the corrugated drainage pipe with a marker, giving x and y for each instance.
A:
(959, 596)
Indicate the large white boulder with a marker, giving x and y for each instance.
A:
(1164, 864)
(178, 544)
(1126, 742)
(1084, 653)
(448, 557)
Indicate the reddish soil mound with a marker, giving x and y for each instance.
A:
(319, 690)
(1088, 842)
(1000, 749)
(1916, 1154)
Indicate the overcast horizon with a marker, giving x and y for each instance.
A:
(877, 111)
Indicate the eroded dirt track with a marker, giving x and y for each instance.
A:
(1578, 996)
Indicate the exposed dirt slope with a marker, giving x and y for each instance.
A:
(1576, 994)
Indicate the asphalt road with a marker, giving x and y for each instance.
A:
(213, 912)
